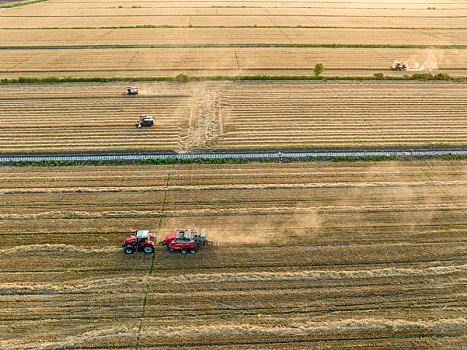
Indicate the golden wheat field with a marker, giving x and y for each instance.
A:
(64, 38)
(311, 255)
(232, 115)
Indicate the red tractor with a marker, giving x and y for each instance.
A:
(143, 242)
(185, 241)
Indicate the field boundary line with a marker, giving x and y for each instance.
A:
(153, 259)
(197, 46)
(170, 26)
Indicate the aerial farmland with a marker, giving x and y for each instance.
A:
(334, 201)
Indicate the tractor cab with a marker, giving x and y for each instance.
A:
(398, 66)
(144, 236)
(143, 241)
(145, 120)
(131, 90)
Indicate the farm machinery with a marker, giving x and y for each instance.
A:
(142, 242)
(184, 241)
(145, 120)
(131, 90)
(398, 66)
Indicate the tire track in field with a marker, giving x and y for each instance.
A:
(151, 269)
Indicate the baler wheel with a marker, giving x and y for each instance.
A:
(184, 251)
(170, 250)
(192, 250)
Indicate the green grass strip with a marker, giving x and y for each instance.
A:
(174, 161)
(185, 78)
(20, 3)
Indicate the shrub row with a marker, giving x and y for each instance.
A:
(173, 161)
(20, 3)
(186, 78)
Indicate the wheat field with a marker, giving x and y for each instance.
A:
(322, 255)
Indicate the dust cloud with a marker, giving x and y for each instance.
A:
(429, 63)
(265, 231)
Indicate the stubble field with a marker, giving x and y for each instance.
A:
(312, 255)
(232, 115)
(325, 255)
(416, 29)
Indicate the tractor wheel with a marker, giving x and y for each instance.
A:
(129, 249)
(192, 250)
(184, 251)
(148, 249)
(170, 250)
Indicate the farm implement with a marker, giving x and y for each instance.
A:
(184, 241)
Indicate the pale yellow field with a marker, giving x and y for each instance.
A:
(371, 22)
(223, 61)
(356, 23)
(230, 36)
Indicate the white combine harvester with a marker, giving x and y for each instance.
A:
(145, 120)
(131, 90)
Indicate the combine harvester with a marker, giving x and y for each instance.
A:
(145, 120)
(184, 241)
(398, 66)
(131, 90)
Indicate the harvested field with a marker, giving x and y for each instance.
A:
(223, 61)
(352, 23)
(323, 255)
(312, 254)
(234, 115)
(232, 36)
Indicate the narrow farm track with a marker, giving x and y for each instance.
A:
(309, 263)
(237, 115)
